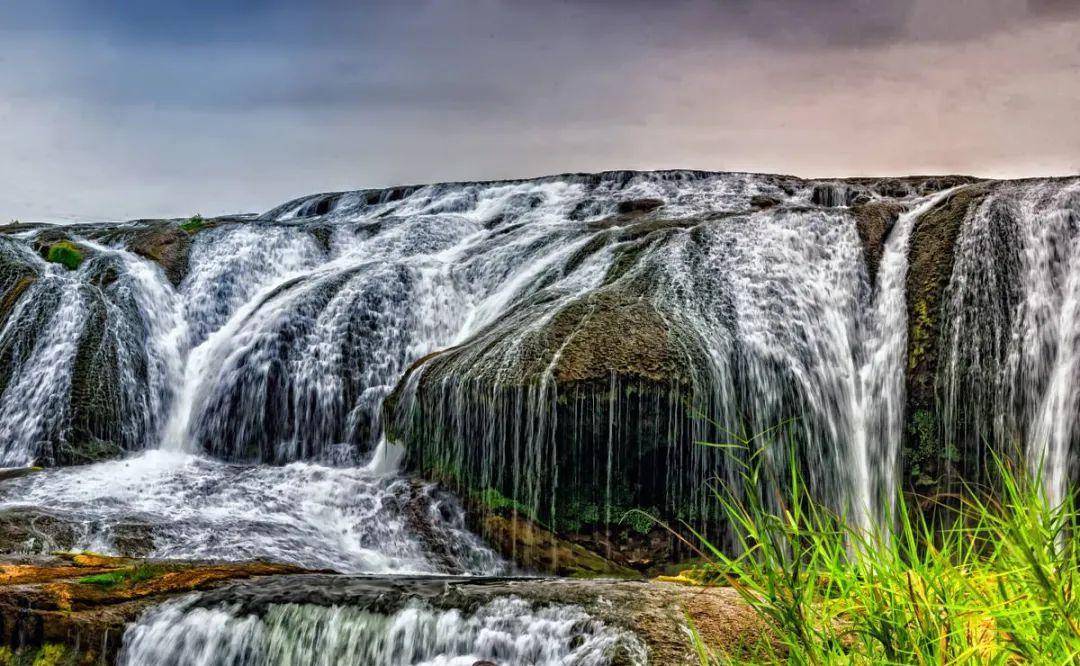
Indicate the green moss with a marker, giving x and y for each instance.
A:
(87, 452)
(577, 514)
(65, 253)
(52, 654)
(927, 449)
(129, 576)
(194, 223)
(494, 500)
(639, 520)
(920, 334)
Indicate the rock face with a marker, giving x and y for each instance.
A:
(73, 609)
(617, 353)
(932, 244)
(583, 411)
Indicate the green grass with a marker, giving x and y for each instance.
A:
(194, 223)
(495, 501)
(996, 582)
(65, 253)
(128, 576)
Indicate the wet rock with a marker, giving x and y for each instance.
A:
(656, 613)
(829, 195)
(615, 359)
(874, 221)
(7, 473)
(77, 605)
(764, 201)
(537, 549)
(160, 241)
(638, 206)
(931, 254)
(31, 530)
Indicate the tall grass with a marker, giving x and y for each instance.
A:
(994, 582)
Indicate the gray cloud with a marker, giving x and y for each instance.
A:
(230, 106)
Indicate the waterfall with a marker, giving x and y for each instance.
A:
(534, 305)
(506, 630)
(1011, 330)
(33, 401)
(276, 386)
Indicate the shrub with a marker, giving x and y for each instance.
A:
(65, 253)
(194, 223)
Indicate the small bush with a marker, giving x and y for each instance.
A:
(194, 223)
(65, 253)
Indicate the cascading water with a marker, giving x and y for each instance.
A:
(559, 345)
(1012, 330)
(503, 631)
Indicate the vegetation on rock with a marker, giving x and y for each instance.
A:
(66, 254)
(193, 224)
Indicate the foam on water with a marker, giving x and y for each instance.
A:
(346, 519)
(507, 631)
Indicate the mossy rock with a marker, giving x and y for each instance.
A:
(50, 654)
(930, 264)
(874, 221)
(931, 255)
(600, 388)
(159, 241)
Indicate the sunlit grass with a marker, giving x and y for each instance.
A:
(994, 582)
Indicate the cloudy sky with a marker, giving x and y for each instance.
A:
(122, 108)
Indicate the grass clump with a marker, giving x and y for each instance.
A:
(193, 224)
(495, 501)
(65, 253)
(998, 582)
(127, 576)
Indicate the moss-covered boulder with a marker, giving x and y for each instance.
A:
(572, 408)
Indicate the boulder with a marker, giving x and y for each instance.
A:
(874, 221)
(541, 410)
(638, 206)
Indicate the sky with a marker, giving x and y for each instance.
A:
(122, 109)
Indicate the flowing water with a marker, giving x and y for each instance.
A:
(1013, 372)
(506, 630)
(249, 396)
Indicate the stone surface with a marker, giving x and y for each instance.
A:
(78, 604)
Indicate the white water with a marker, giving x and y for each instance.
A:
(35, 400)
(1013, 372)
(506, 631)
(352, 520)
